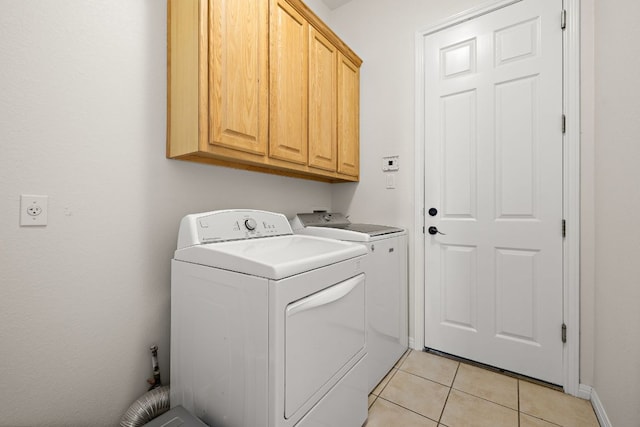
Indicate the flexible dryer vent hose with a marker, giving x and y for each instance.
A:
(150, 405)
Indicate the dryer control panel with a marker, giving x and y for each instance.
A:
(233, 224)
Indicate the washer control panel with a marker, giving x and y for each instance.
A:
(322, 219)
(228, 225)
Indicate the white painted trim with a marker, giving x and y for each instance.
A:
(589, 393)
(467, 15)
(584, 392)
(417, 340)
(598, 408)
(571, 185)
(571, 354)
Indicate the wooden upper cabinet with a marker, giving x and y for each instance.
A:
(288, 56)
(217, 103)
(187, 81)
(262, 85)
(348, 117)
(238, 74)
(323, 70)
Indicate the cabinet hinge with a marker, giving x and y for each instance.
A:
(564, 123)
(563, 19)
(564, 228)
(564, 333)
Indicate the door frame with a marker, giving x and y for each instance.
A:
(571, 184)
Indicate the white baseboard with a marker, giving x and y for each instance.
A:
(411, 343)
(584, 392)
(603, 419)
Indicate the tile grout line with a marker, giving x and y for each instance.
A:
(494, 369)
(394, 370)
(486, 400)
(370, 405)
(400, 366)
(453, 380)
(427, 378)
(518, 390)
(393, 373)
(405, 408)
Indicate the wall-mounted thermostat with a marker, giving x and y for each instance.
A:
(390, 164)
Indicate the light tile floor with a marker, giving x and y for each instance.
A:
(424, 389)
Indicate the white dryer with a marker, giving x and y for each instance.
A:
(387, 286)
(267, 327)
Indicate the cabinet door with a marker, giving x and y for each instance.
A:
(323, 67)
(288, 83)
(238, 73)
(348, 117)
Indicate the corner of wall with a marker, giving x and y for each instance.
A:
(603, 419)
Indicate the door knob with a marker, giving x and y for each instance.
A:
(433, 211)
(434, 230)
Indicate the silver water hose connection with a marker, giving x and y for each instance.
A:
(153, 403)
(155, 382)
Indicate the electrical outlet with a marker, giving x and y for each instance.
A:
(33, 210)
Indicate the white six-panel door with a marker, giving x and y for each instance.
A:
(493, 171)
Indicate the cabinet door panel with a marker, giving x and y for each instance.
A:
(323, 65)
(288, 84)
(348, 117)
(238, 74)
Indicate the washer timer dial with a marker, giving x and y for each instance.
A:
(250, 223)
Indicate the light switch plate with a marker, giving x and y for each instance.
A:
(391, 181)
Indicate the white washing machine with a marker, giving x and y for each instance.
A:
(267, 327)
(387, 286)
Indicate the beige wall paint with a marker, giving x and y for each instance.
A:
(82, 119)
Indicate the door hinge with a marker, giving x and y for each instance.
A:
(564, 333)
(563, 19)
(564, 228)
(423, 229)
(564, 123)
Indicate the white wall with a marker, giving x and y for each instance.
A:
(82, 119)
(617, 203)
(587, 194)
(319, 8)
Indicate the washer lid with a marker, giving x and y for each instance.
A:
(350, 235)
(370, 229)
(337, 226)
(271, 257)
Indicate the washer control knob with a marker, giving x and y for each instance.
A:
(250, 224)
